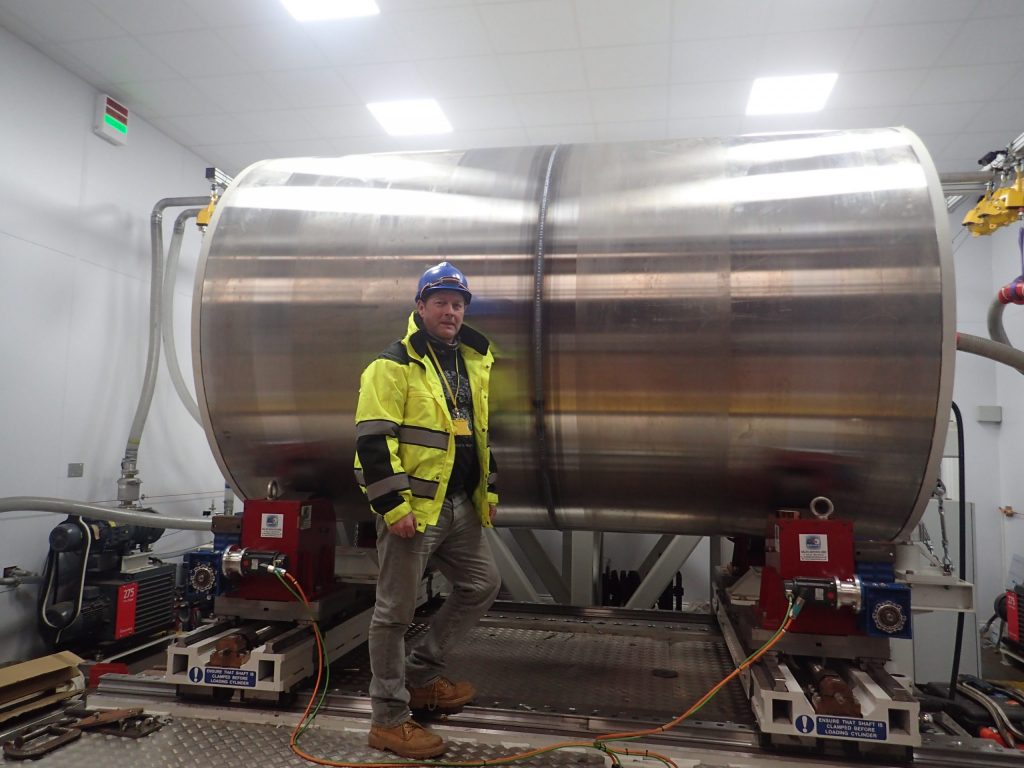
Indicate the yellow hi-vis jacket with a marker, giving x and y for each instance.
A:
(405, 441)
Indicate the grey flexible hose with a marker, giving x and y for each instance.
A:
(131, 451)
(993, 350)
(67, 507)
(1010, 734)
(167, 314)
(996, 330)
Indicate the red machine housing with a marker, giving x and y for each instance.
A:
(302, 531)
(812, 549)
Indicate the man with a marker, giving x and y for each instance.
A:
(423, 461)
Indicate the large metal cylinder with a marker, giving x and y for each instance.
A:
(689, 334)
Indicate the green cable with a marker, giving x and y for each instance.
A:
(323, 656)
(599, 745)
(790, 611)
(323, 693)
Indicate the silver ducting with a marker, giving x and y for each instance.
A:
(725, 326)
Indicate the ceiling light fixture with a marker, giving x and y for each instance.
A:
(790, 95)
(327, 10)
(412, 117)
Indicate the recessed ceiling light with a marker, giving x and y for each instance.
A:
(324, 10)
(413, 117)
(790, 95)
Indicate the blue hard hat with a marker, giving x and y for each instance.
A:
(443, 277)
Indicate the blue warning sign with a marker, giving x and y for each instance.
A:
(240, 678)
(196, 674)
(804, 724)
(852, 728)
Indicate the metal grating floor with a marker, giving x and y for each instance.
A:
(200, 742)
(625, 673)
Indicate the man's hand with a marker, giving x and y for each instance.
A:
(494, 513)
(404, 527)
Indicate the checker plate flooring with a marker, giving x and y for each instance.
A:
(627, 672)
(198, 742)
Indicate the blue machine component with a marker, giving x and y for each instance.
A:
(877, 572)
(885, 610)
(203, 578)
(222, 541)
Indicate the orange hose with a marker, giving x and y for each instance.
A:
(519, 755)
(703, 699)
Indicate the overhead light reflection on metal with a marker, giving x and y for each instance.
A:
(790, 185)
(381, 202)
(827, 145)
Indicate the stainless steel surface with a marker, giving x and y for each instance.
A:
(729, 325)
(231, 562)
(848, 593)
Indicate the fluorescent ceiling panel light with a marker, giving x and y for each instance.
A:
(413, 117)
(326, 10)
(790, 95)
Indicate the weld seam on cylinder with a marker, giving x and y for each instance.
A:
(538, 343)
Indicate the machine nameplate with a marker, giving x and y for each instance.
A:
(306, 517)
(851, 728)
(239, 678)
(127, 599)
(813, 547)
(272, 526)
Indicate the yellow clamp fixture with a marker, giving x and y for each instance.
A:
(204, 216)
(1012, 196)
(997, 208)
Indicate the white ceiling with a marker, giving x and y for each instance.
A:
(240, 80)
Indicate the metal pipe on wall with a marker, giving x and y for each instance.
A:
(167, 314)
(81, 509)
(131, 450)
(128, 485)
(730, 325)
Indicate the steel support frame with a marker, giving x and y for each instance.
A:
(541, 564)
(663, 568)
(581, 562)
(513, 577)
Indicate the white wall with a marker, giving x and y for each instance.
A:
(74, 298)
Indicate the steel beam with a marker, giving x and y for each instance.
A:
(655, 554)
(581, 562)
(661, 573)
(541, 564)
(513, 577)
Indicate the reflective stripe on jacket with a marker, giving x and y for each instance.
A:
(405, 442)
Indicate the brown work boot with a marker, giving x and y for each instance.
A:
(409, 739)
(441, 694)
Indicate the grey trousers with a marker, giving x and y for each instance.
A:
(457, 546)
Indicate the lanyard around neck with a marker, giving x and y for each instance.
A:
(444, 378)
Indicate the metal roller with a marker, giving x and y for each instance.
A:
(690, 334)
